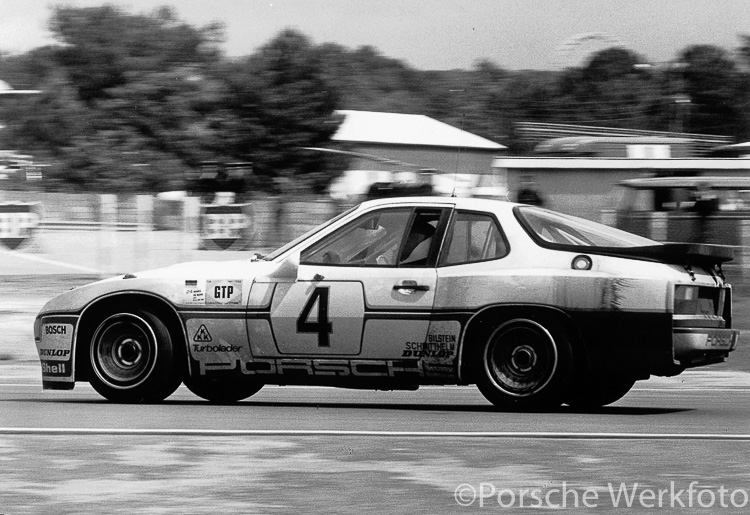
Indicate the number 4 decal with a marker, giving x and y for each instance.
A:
(322, 326)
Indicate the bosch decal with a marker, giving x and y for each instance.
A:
(55, 329)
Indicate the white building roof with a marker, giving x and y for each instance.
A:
(7, 89)
(406, 129)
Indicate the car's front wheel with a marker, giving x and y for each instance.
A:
(132, 358)
(524, 365)
(222, 391)
(597, 390)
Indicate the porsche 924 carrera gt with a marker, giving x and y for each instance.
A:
(534, 307)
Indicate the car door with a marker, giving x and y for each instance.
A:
(365, 290)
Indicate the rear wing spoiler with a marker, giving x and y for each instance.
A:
(702, 254)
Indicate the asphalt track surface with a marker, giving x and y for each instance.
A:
(678, 444)
(290, 449)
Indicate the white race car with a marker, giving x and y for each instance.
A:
(534, 307)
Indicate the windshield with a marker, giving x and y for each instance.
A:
(558, 229)
(276, 253)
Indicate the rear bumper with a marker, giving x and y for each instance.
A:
(698, 346)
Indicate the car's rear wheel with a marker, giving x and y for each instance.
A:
(597, 390)
(524, 365)
(132, 358)
(224, 390)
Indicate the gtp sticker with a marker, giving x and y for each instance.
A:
(224, 291)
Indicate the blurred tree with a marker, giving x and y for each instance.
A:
(743, 87)
(124, 99)
(615, 88)
(710, 80)
(368, 81)
(30, 70)
(528, 96)
(277, 103)
(46, 122)
(134, 102)
(470, 100)
(744, 50)
(101, 45)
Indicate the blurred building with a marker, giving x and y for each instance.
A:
(406, 147)
(736, 150)
(7, 90)
(577, 167)
(537, 134)
(637, 147)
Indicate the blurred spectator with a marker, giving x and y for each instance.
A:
(706, 204)
(528, 193)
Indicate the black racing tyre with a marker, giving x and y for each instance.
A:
(132, 358)
(525, 365)
(597, 390)
(222, 390)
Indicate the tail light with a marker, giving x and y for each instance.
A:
(698, 300)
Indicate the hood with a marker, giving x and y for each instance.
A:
(168, 282)
(243, 268)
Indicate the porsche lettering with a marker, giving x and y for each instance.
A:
(321, 367)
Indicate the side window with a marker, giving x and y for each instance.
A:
(372, 239)
(417, 247)
(473, 237)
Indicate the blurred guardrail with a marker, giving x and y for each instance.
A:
(110, 233)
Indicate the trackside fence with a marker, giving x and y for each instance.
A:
(107, 234)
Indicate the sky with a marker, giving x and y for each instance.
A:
(437, 34)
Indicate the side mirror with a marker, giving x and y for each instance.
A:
(287, 269)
